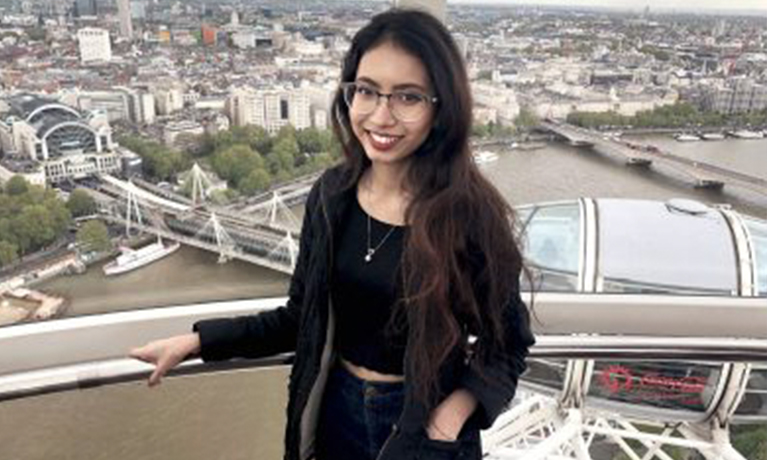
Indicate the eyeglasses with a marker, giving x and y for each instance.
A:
(405, 105)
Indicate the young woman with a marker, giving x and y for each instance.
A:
(404, 308)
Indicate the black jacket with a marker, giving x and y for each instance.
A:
(305, 326)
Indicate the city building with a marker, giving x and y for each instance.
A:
(141, 108)
(168, 99)
(138, 10)
(244, 39)
(85, 8)
(736, 96)
(435, 7)
(500, 100)
(114, 104)
(94, 45)
(183, 37)
(36, 133)
(176, 128)
(209, 35)
(270, 109)
(126, 21)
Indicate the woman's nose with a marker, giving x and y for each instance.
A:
(382, 113)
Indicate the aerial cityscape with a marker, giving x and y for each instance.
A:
(137, 133)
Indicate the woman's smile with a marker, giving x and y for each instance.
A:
(382, 142)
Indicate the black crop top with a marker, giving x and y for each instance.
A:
(364, 293)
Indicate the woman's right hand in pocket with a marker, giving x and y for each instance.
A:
(165, 354)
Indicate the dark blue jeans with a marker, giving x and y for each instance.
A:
(356, 417)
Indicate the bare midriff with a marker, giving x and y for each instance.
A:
(366, 374)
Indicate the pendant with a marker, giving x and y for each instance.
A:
(369, 255)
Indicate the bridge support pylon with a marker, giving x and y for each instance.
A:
(214, 230)
(286, 247)
(201, 183)
(132, 208)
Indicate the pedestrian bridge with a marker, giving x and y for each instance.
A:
(265, 234)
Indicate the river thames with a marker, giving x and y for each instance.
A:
(556, 172)
(240, 415)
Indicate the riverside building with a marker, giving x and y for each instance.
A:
(43, 135)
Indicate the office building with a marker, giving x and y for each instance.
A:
(126, 22)
(270, 109)
(94, 45)
(85, 8)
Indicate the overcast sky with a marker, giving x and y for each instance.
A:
(640, 4)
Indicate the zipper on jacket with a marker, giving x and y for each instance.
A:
(394, 432)
(323, 205)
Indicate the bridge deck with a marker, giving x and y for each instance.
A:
(705, 174)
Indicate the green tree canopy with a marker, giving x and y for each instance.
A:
(81, 203)
(8, 253)
(16, 185)
(234, 163)
(159, 162)
(257, 181)
(93, 236)
(679, 115)
(284, 154)
(526, 119)
(311, 140)
(32, 219)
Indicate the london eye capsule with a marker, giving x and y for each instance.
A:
(661, 274)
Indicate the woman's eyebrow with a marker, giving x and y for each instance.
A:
(371, 82)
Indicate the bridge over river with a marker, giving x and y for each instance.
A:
(263, 232)
(704, 174)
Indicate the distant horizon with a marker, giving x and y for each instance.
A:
(733, 6)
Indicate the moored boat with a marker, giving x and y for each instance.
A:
(713, 136)
(131, 259)
(747, 134)
(686, 137)
(484, 156)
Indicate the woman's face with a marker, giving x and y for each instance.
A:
(385, 136)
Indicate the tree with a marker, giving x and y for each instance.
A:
(236, 162)
(485, 75)
(8, 253)
(258, 139)
(257, 181)
(194, 144)
(480, 131)
(81, 203)
(93, 236)
(751, 441)
(526, 119)
(310, 141)
(284, 153)
(37, 225)
(36, 34)
(16, 185)
(159, 161)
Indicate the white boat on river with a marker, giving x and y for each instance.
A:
(713, 136)
(746, 134)
(484, 156)
(131, 259)
(685, 137)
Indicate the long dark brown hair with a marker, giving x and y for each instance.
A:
(461, 263)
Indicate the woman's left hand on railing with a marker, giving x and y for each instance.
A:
(165, 354)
